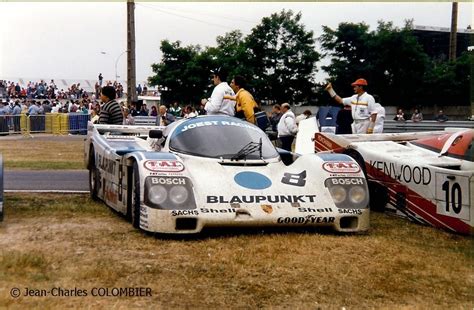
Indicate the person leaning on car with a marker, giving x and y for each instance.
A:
(362, 104)
(287, 128)
(245, 105)
(217, 105)
(110, 112)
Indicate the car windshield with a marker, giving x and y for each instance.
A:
(221, 137)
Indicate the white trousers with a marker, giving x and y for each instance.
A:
(360, 126)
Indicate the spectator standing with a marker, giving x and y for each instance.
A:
(16, 116)
(362, 106)
(417, 116)
(133, 110)
(217, 105)
(379, 115)
(175, 109)
(143, 111)
(287, 128)
(305, 115)
(441, 117)
(153, 111)
(127, 118)
(189, 112)
(245, 104)
(97, 89)
(275, 116)
(110, 112)
(139, 90)
(94, 117)
(100, 79)
(344, 121)
(47, 107)
(165, 118)
(400, 117)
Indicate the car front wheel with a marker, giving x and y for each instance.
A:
(135, 201)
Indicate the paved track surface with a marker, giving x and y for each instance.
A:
(46, 180)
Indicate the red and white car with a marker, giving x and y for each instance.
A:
(427, 177)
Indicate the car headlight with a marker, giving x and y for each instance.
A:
(178, 194)
(157, 194)
(357, 194)
(169, 193)
(348, 192)
(338, 194)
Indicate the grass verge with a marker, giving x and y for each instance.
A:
(34, 154)
(72, 242)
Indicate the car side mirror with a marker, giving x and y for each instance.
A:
(155, 134)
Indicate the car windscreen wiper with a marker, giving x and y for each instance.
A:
(248, 149)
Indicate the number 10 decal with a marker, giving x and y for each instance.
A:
(453, 195)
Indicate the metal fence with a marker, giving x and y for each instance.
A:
(53, 123)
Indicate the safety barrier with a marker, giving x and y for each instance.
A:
(391, 126)
(144, 120)
(53, 123)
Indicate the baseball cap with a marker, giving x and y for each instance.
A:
(360, 82)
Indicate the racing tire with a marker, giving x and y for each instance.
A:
(135, 201)
(93, 177)
(378, 196)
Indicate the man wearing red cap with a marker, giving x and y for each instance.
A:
(362, 104)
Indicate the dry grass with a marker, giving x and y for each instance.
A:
(34, 153)
(73, 242)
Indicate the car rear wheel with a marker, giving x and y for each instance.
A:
(93, 176)
(135, 197)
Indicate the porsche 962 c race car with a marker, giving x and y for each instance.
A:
(218, 171)
(427, 177)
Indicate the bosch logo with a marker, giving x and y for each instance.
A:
(343, 181)
(164, 165)
(341, 167)
(168, 181)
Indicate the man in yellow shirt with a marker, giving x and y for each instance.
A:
(244, 100)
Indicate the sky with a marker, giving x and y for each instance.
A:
(61, 40)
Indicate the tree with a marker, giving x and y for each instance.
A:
(391, 59)
(180, 75)
(282, 58)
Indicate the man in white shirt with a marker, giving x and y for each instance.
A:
(287, 128)
(217, 105)
(379, 114)
(362, 104)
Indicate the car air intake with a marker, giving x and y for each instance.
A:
(349, 222)
(186, 223)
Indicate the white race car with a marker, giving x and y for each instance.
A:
(217, 171)
(427, 177)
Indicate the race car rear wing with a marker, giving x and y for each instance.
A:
(123, 129)
(332, 142)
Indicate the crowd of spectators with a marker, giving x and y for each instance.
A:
(40, 90)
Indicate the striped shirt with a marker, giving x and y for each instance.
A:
(111, 113)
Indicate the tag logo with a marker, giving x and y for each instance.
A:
(163, 165)
(341, 167)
